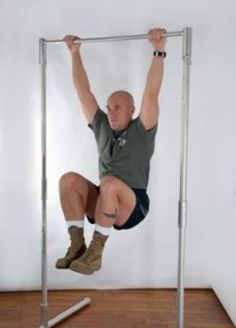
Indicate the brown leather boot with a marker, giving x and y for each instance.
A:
(76, 249)
(91, 261)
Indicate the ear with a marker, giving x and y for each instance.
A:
(132, 109)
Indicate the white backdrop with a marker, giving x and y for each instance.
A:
(147, 255)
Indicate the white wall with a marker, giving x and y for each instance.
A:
(152, 257)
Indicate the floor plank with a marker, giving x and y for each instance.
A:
(137, 308)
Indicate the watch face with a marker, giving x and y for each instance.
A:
(161, 54)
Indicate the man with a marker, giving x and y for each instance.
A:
(125, 147)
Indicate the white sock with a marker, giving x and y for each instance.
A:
(103, 230)
(76, 223)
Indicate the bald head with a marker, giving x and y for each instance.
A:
(122, 94)
(120, 107)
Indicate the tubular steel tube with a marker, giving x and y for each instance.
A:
(118, 38)
(62, 316)
(182, 219)
(186, 33)
(44, 323)
(44, 301)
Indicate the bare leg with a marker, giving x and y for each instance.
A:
(78, 196)
(115, 203)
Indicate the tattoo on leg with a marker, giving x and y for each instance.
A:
(111, 215)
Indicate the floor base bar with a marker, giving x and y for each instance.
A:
(62, 316)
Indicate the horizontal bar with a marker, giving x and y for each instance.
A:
(62, 316)
(118, 38)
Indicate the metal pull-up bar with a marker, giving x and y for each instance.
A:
(117, 38)
(186, 35)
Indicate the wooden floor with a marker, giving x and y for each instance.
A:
(153, 308)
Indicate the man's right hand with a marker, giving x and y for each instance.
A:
(72, 46)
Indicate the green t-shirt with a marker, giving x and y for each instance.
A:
(125, 154)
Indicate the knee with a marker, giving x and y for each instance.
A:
(69, 180)
(109, 185)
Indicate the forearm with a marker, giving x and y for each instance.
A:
(154, 77)
(80, 77)
(149, 113)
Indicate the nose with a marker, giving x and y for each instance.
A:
(111, 113)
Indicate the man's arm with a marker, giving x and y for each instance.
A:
(149, 113)
(80, 78)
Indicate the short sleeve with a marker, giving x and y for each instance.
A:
(148, 133)
(98, 119)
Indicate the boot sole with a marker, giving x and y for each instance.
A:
(84, 271)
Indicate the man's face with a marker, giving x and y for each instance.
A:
(120, 109)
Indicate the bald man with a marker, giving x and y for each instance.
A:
(125, 147)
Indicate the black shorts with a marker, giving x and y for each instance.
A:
(139, 213)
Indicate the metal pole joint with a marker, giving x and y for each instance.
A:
(182, 214)
(187, 59)
(187, 44)
(42, 52)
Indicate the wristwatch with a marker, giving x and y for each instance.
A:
(161, 54)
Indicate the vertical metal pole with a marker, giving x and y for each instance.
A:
(44, 322)
(44, 292)
(187, 47)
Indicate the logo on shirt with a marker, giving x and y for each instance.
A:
(121, 141)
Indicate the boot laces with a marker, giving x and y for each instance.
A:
(93, 250)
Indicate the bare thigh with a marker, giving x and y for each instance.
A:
(125, 195)
(87, 190)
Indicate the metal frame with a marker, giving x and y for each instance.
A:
(186, 34)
